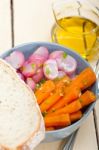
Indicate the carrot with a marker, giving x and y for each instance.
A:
(63, 81)
(44, 91)
(70, 108)
(85, 79)
(52, 99)
(55, 121)
(87, 98)
(75, 116)
(71, 95)
(50, 128)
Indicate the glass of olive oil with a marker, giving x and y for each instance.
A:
(77, 26)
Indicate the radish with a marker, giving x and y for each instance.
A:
(61, 74)
(57, 54)
(17, 59)
(31, 83)
(50, 69)
(28, 69)
(68, 64)
(38, 76)
(8, 59)
(21, 76)
(42, 51)
(37, 59)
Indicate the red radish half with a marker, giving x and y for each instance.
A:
(21, 75)
(68, 64)
(38, 76)
(61, 74)
(17, 59)
(50, 69)
(29, 69)
(37, 59)
(57, 54)
(42, 51)
(31, 83)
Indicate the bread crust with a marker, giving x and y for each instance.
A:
(24, 145)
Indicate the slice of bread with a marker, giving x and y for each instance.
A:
(21, 122)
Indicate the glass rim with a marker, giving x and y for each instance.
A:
(94, 30)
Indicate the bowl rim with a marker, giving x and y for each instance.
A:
(86, 114)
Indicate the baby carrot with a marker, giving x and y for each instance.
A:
(75, 116)
(70, 108)
(72, 94)
(63, 81)
(55, 121)
(85, 79)
(87, 98)
(51, 100)
(50, 128)
(44, 91)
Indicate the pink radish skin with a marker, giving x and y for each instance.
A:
(42, 51)
(50, 69)
(37, 59)
(8, 59)
(68, 65)
(57, 54)
(21, 76)
(38, 76)
(29, 69)
(31, 83)
(17, 59)
(61, 74)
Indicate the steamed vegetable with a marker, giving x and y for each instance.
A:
(31, 83)
(75, 116)
(62, 120)
(16, 59)
(50, 69)
(44, 91)
(37, 59)
(85, 79)
(29, 69)
(38, 76)
(42, 51)
(21, 75)
(68, 64)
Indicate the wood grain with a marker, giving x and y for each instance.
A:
(5, 25)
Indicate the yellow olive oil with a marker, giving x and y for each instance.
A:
(76, 33)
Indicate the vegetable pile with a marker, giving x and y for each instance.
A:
(61, 94)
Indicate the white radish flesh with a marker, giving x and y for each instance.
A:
(61, 74)
(68, 65)
(17, 59)
(29, 69)
(31, 83)
(38, 76)
(42, 51)
(50, 69)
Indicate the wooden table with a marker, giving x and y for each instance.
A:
(24, 21)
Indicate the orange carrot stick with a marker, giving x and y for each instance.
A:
(87, 98)
(50, 128)
(55, 121)
(63, 81)
(70, 108)
(75, 116)
(85, 79)
(51, 100)
(69, 97)
(44, 91)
